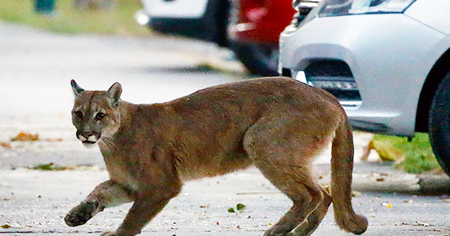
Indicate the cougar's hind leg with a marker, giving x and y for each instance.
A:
(304, 193)
(314, 219)
(285, 160)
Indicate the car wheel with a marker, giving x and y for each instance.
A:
(439, 123)
(257, 58)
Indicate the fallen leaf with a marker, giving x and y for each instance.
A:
(52, 140)
(5, 144)
(240, 207)
(356, 194)
(6, 226)
(231, 210)
(23, 136)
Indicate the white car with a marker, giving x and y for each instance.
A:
(387, 61)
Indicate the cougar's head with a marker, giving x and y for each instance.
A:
(96, 114)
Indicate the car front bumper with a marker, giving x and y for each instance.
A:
(388, 56)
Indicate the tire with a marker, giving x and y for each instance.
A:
(439, 123)
(257, 58)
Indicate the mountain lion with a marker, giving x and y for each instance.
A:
(275, 124)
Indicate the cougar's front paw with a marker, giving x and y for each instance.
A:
(80, 214)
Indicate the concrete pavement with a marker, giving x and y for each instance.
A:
(35, 202)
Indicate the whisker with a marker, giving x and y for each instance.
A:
(109, 143)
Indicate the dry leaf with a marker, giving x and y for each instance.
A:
(52, 140)
(356, 194)
(5, 144)
(23, 136)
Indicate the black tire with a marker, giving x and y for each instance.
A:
(259, 59)
(439, 123)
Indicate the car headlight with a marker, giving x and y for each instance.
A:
(298, 4)
(354, 7)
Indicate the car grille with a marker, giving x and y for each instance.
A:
(336, 77)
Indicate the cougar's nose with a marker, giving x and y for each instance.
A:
(87, 134)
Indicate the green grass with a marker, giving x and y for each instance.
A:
(48, 167)
(419, 156)
(67, 19)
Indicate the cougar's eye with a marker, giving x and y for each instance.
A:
(79, 114)
(100, 116)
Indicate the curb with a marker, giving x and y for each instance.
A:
(398, 183)
(435, 184)
(374, 182)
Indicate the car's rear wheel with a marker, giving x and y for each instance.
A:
(439, 123)
(259, 59)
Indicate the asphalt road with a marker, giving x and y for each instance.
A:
(35, 70)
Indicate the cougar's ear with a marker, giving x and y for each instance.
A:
(114, 93)
(76, 88)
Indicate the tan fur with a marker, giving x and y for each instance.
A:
(275, 124)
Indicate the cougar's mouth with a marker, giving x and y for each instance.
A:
(88, 139)
(89, 144)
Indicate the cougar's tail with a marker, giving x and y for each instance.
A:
(341, 181)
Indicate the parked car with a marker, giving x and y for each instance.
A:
(387, 61)
(250, 28)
